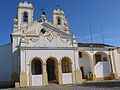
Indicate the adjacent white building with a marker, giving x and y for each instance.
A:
(43, 52)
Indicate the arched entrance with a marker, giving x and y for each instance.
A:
(36, 67)
(36, 72)
(51, 69)
(102, 65)
(85, 65)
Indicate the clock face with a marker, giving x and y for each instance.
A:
(118, 50)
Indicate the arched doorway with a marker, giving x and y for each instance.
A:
(51, 69)
(36, 67)
(85, 65)
(36, 72)
(66, 66)
(102, 65)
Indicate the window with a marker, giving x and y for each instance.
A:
(36, 67)
(59, 21)
(25, 17)
(80, 54)
(66, 66)
(43, 31)
(98, 58)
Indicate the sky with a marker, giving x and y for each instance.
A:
(100, 15)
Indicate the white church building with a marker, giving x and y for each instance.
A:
(43, 52)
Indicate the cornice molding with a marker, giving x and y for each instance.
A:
(48, 48)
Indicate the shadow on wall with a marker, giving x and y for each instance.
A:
(105, 84)
(7, 86)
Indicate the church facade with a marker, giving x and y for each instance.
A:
(43, 52)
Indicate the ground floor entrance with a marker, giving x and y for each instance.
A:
(51, 70)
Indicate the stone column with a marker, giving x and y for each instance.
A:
(115, 66)
(30, 75)
(78, 76)
(59, 72)
(45, 76)
(30, 80)
(92, 66)
(77, 73)
(23, 73)
(23, 79)
(110, 65)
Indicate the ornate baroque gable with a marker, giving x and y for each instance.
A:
(44, 34)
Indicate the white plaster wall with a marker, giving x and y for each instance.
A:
(44, 42)
(102, 69)
(16, 54)
(5, 62)
(117, 62)
(85, 62)
(37, 80)
(67, 78)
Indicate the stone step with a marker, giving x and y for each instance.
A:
(53, 83)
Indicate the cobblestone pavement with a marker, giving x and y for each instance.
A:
(103, 85)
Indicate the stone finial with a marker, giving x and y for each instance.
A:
(25, 4)
(58, 11)
(43, 17)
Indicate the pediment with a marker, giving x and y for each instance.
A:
(42, 29)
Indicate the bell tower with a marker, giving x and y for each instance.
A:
(58, 17)
(25, 14)
(60, 20)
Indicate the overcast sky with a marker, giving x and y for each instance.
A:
(81, 14)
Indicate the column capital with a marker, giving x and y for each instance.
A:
(59, 63)
(44, 64)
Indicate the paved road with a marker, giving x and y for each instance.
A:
(106, 85)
